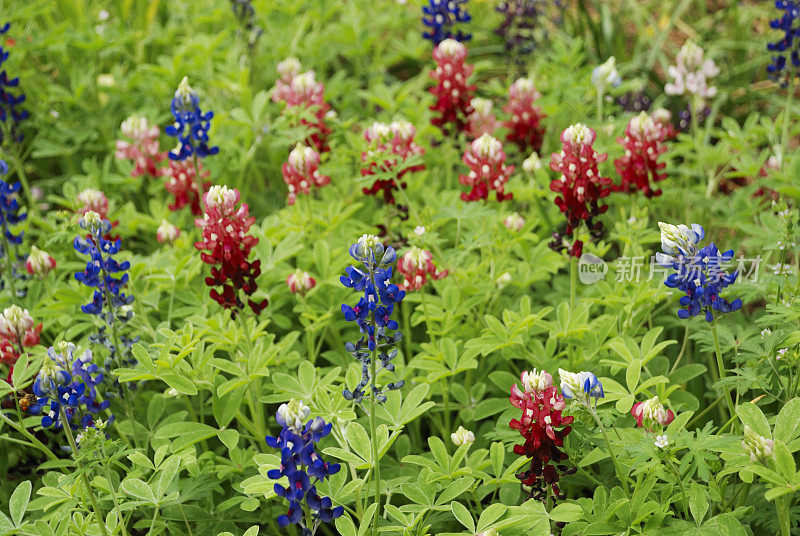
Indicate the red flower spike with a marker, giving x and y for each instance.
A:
(389, 146)
(300, 172)
(182, 184)
(525, 123)
(543, 428)
(226, 245)
(416, 265)
(639, 168)
(486, 161)
(142, 149)
(453, 93)
(580, 186)
(302, 90)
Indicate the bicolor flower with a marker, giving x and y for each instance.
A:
(416, 266)
(226, 245)
(388, 149)
(481, 120)
(486, 160)
(514, 222)
(300, 463)
(17, 332)
(650, 413)
(167, 232)
(543, 428)
(700, 272)
(580, 187)
(301, 91)
(644, 143)
(299, 282)
(182, 184)
(141, 147)
(524, 125)
(452, 91)
(581, 386)
(39, 262)
(372, 314)
(301, 171)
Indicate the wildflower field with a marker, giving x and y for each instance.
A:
(416, 267)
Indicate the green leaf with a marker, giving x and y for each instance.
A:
(632, 374)
(359, 441)
(698, 502)
(787, 425)
(462, 514)
(751, 415)
(139, 489)
(345, 526)
(168, 471)
(784, 461)
(179, 383)
(19, 502)
(566, 512)
(229, 437)
(490, 515)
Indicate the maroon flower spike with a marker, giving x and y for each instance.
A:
(453, 94)
(226, 245)
(524, 126)
(389, 147)
(543, 428)
(644, 142)
(182, 184)
(580, 186)
(486, 161)
(303, 91)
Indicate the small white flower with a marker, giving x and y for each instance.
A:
(462, 436)
(419, 230)
(766, 332)
(661, 441)
(503, 280)
(103, 15)
(294, 413)
(782, 353)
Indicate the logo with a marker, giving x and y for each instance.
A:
(591, 269)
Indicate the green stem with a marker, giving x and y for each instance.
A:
(782, 508)
(679, 480)
(623, 478)
(99, 517)
(787, 113)
(721, 366)
(198, 180)
(376, 476)
(9, 261)
(24, 431)
(113, 492)
(573, 282)
(599, 108)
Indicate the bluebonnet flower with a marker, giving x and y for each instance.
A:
(300, 463)
(524, 24)
(581, 386)
(787, 46)
(10, 216)
(246, 17)
(67, 381)
(9, 102)
(700, 272)
(108, 301)
(191, 125)
(373, 313)
(441, 16)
